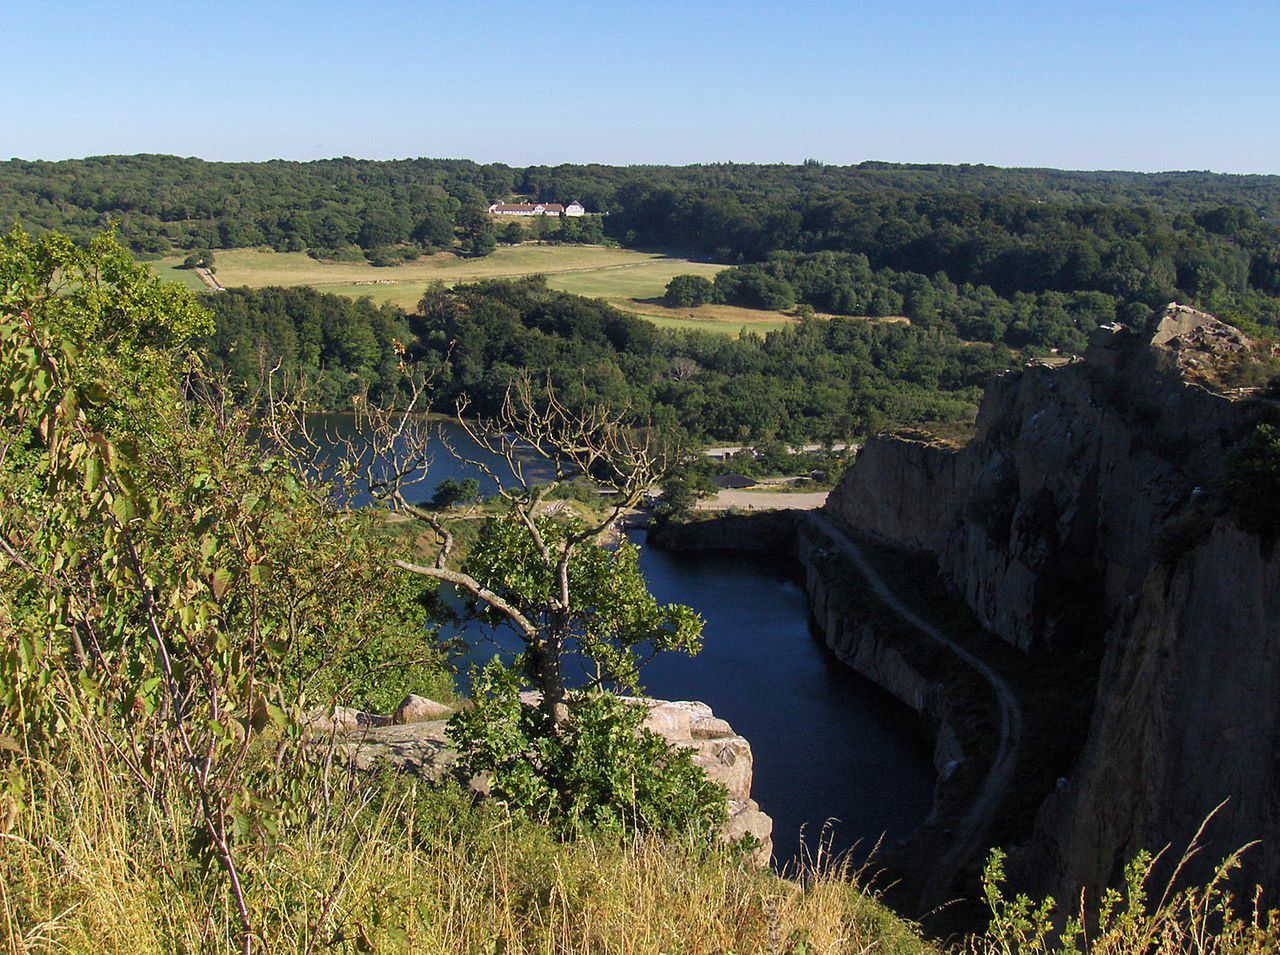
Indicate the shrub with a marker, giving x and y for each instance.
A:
(452, 492)
(688, 291)
(601, 771)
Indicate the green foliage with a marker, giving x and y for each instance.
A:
(340, 347)
(680, 492)
(689, 290)
(477, 232)
(1202, 918)
(199, 260)
(612, 618)
(452, 492)
(513, 233)
(96, 295)
(813, 381)
(1252, 484)
(1136, 240)
(1017, 924)
(161, 576)
(752, 287)
(601, 771)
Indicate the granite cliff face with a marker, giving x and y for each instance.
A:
(1081, 518)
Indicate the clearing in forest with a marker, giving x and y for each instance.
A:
(631, 280)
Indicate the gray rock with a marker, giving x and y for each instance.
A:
(1072, 519)
(419, 709)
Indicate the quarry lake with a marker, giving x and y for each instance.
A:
(831, 749)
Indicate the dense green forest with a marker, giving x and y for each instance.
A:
(937, 243)
(816, 380)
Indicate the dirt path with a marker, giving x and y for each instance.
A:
(764, 500)
(207, 278)
(971, 828)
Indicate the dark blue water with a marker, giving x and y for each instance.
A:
(836, 757)
(452, 454)
(829, 745)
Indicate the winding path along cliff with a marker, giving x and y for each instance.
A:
(1071, 604)
(976, 822)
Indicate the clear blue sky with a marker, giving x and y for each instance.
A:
(1177, 84)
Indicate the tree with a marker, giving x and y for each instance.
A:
(477, 231)
(546, 576)
(167, 587)
(688, 291)
(452, 492)
(1252, 483)
(513, 233)
(435, 228)
(199, 260)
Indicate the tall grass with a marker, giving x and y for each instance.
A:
(89, 866)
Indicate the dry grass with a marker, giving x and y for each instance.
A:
(89, 867)
(631, 280)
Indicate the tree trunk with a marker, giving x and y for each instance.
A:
(546, 660)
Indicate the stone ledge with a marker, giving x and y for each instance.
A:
(369, 742)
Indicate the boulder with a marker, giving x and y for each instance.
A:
(746, 819)
(419, 709)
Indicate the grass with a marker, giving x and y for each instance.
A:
(89, 866)
(626, 278)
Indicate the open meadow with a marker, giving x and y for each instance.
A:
(625, 278)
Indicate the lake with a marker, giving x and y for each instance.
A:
(829, 745)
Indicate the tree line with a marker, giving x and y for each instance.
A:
(1140, 239)
(814, 381)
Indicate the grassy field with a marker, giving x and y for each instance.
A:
(628, 279)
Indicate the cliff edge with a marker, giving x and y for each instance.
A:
(1085, 517)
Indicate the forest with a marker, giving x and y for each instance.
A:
(817, 380)
(937, 243)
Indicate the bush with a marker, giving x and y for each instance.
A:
(601, 772)
(1253, 484)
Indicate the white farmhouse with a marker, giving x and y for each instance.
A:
(553, 209)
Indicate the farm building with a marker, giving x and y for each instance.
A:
(536, 209)
(733, 481)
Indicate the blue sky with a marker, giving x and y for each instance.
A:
(1086, 84)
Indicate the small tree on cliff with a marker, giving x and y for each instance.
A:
(537, 568)
(579, 758)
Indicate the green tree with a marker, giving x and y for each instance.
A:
(602, 771)
(435, 227)
(163, 578)
(687, 291)
(1253, 483)
(477, 231)
(452, 492)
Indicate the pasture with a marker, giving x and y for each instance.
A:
(625, 278)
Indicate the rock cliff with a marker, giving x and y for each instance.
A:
(1083, 516)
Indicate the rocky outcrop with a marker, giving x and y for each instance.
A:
(420, 746)
(1081, 519)
(1187, 717)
